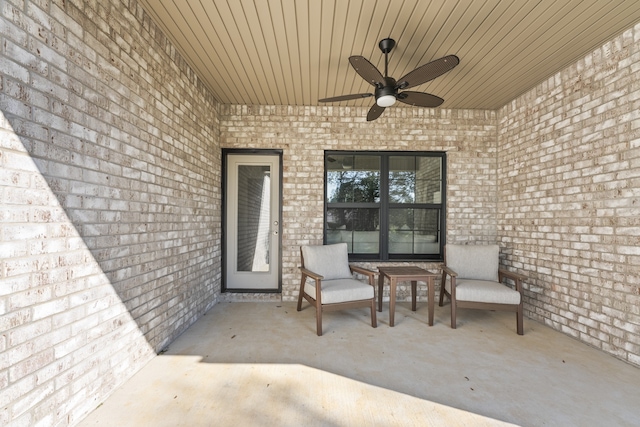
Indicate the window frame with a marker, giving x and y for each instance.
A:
(385, 206)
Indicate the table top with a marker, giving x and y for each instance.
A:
(405, 271)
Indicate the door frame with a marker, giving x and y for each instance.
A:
(258, 152)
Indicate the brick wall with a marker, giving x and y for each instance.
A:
(303, 133)
(569, 212)
(110, 195)
(110, 203)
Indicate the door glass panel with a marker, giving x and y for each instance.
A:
(254, 219)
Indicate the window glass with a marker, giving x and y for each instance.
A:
(386, 206)
(353, 178)
(359, 228)
(415, 179)
(414, 231)
(428, 179)
(402, 179)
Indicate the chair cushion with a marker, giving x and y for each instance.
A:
(479, 262)
(329, 261)
(340, 290)
(484, 291)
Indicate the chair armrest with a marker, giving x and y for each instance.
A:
(516, 277)
(362, 270)
(311, 274)
(371, 275)
(511, 274)
(449, 271)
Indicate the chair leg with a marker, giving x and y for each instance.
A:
(380, 289)
(319, 319)
(442, 289)
(301, 292)
(453, 314)
(519, 320)
(414, 291)
(374, 320)
(453, 302)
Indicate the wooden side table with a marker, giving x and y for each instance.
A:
(401, 274)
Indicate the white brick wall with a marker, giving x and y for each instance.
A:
(110, 195)
(110, 203)
(303, 133)
(569, 212)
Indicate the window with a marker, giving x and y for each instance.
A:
(386, 205)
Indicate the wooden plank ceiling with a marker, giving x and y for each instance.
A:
(294, 52)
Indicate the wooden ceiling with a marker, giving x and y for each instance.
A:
(294, 52)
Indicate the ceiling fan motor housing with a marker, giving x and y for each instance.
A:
(386, 95)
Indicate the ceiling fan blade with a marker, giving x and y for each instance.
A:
(428, 72)
(366, 69)
(421, 99)
(374, 112)
(346, 97)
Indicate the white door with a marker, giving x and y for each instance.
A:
(252, 247)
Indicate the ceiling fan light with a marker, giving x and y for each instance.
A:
(386, 100)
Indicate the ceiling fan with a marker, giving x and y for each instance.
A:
(388, 90)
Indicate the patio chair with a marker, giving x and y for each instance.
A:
(328, 283)
(471, 278)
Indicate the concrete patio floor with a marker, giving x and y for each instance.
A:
(262, 364)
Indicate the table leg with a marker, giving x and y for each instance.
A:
(414, 291)
(432, 296)
(392, 300)
(380, 288)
